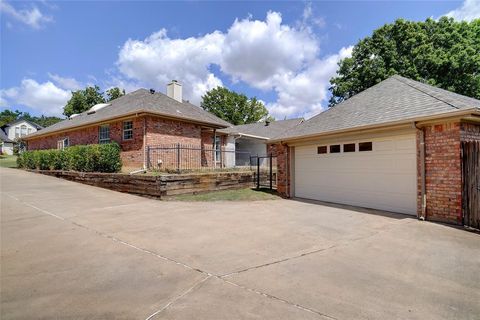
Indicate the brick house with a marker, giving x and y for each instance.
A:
(135, 121)
(395, 146)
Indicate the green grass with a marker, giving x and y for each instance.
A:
(7, 161)
(229, 195)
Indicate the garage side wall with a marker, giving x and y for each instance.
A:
(470, 132)
(442, 173)
(283, 168)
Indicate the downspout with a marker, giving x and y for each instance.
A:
(144, 143)
(213, 148)
(287, 171)
(423, 214)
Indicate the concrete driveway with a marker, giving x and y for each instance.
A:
(72, 251)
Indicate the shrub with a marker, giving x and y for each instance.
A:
(109, 158)
(60, 160)
(90, 158)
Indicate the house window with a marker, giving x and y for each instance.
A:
(217, 148)
(321, 149)
(128, 130)
(29, 130)
(104, 134)
(335, 148)
(23, 130)
(365, 146)
(349, 147)
(62, 144)
(17, 132)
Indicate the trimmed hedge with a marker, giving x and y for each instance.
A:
(89, 158)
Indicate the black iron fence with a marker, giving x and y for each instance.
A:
(180, 157)
(265, 171)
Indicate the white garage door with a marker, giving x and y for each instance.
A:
(383, 176)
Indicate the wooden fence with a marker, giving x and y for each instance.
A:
(471, 183)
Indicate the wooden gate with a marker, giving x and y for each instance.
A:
(471, 183)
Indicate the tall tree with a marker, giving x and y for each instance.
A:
(82, 100)
(8, 116)
(233, 107)
(114, 93)
(443, 53)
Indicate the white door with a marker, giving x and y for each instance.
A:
(383, 176)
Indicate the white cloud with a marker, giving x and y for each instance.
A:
(32, 17)
(268, 55)
(65, 83)
(308, 17)
(46, 98)
(469, 10)
(258, 52)
(159, 59)
(303, 93)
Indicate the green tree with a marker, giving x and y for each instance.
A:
(82, 100)
(443, 53)
(233, 107)
(7, 116)
(114, 93)
(44, 121)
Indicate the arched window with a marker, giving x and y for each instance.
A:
(23, 130)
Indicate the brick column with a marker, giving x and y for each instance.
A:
(283, 169)
(443, 173)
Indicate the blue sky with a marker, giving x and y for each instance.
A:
(282, 52)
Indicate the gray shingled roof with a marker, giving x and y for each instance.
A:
(140, 101)
(4, 137)
(259, 129)
(394, 99)
(33, 124)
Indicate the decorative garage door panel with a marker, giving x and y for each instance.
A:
(384, 178)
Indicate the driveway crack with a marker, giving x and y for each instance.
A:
(310, 310)
(192, 288)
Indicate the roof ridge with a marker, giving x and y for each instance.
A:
(401, 79)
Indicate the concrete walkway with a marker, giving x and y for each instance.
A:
(72, 251)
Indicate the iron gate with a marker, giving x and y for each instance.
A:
(265, 171)
(471, 183)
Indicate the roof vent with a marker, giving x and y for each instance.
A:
(97, 107)
(152, 91)
(73, 115)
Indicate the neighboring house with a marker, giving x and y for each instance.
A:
(7, 144)
(395, 146)
(136, 121)
(14, 132)
(252, 139)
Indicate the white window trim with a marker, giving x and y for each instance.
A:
(63, 143)
(127, 130)
(104, 140)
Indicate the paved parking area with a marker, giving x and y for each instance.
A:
(73, 251)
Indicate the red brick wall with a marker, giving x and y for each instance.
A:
(283, 171)
(131, 149)
(158, 131)
(442, 173)
(164, 131)
(469, 132)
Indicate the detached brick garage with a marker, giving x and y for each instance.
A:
(396, 147)
(139, 119)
